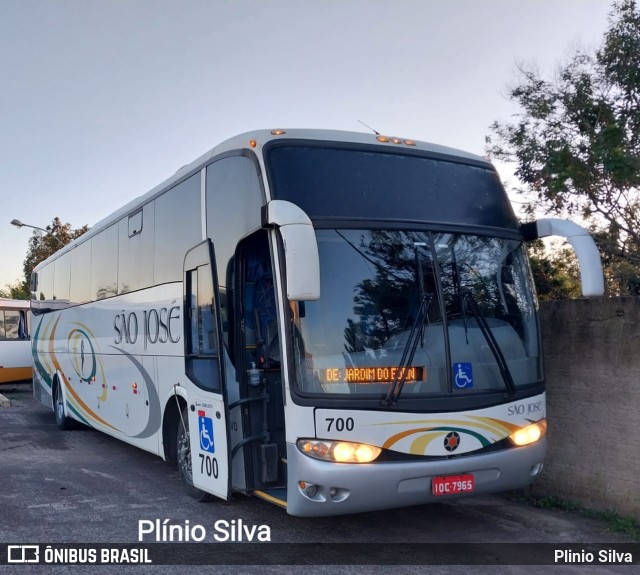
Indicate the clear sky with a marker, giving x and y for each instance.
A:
(101, 100)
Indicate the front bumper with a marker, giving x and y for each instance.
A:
(352, 488)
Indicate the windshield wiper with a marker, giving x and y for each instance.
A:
(491, 341)
(408, 353)
(416, 334)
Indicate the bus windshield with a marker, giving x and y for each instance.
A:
(477, 310)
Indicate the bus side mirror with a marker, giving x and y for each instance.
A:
(300, 248)
(582, 244)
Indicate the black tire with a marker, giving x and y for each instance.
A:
(62, 421)
(183, 457)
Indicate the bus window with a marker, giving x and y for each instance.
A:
(15, 348)
(62, 278)
(233, 192)
(177, 210)
(12, 324)
(104, 264)
(202, 348)
(23, 330)
(80, 289)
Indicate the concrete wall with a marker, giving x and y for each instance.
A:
(592, 365)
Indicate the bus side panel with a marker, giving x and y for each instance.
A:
(15, 349)
(15, 360)
(115, 358)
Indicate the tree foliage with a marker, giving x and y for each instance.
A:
(41, 246)
(556, 275)
(14, 291)
(576, 143)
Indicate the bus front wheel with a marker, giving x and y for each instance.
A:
(183, 456)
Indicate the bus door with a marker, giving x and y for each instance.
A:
(207, 406)
(260, 373)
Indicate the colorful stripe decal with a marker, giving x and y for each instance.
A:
(77, 414)
(398, 436)
(44, 374)
(67, 385)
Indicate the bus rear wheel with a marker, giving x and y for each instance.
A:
(183, 456)
(62, 421)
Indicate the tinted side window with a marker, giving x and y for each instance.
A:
(234, 199)
(135, 254)
(177, 228)
(80, 290)
(202, 349)
(62, 278)
(45, 283)
(104, 263)
(11, 324)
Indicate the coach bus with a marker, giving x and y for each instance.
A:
(335, 322)
(15, 347)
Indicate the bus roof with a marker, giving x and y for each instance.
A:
(14, 303)
(255, 141)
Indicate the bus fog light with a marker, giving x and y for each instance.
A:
(339, 451)
(337, 494)
(529, 434)
(309, 488)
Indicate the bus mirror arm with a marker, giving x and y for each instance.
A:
(300, 248)
(582, 243)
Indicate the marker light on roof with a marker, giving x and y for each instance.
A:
(278, 132)
(394, 140)
(253, 143)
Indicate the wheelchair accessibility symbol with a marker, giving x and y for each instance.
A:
(205, 428)
(463, 375)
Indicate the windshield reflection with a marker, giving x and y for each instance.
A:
(374, 284)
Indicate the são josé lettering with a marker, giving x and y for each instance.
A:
(158, 326)
(233, 531)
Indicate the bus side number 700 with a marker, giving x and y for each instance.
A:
(208, 465)
(341, 424)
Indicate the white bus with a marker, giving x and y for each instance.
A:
(15, 347)
(335, 322)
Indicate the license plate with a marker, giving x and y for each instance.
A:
(452, 484)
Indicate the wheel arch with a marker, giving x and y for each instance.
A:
(174, 404)
(55, 384)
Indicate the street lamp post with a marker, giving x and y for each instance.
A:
(19, 224)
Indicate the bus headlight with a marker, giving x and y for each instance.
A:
(339, 451)
(529, 434)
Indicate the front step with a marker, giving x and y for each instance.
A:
(276, 496)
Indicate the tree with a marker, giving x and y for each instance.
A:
(14, 291)
(576, 143)
(556, 276)
(41, 246)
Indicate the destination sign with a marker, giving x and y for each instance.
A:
(364, 375)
